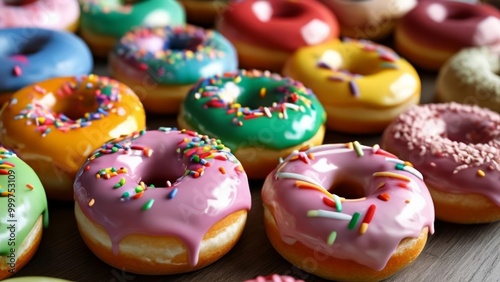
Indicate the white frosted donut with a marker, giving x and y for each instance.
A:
(471, 77)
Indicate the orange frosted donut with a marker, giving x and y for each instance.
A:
(372, 19)
(434, 30)
(347, 212)
(55, 124)
(265, 33)
(161, 201)
(361, 85)
(457, 149)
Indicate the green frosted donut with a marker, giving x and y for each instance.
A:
(22, 201)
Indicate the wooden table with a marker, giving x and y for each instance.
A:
(453, 253)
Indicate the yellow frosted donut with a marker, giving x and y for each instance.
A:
(362, 85)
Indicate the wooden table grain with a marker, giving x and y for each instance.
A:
(453, 253)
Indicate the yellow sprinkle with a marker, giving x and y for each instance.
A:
(380, 185)
(263, 92)
(480, 173)
(408, 164)
(363, 228)
(91, 202)
(391, 175)
(349, 145)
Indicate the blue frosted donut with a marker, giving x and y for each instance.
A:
(30, 55)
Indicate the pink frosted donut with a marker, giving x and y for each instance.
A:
(457, 149)
(274, 278)
(347, 211)
(435, 30)
(51, 14)
(161, 202)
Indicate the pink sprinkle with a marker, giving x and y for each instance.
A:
(17, 71)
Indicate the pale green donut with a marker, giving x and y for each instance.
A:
(472, 76)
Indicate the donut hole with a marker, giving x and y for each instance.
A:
(183, 42)
(459, 15)
(251, 96)
(286, 10)
(31, 44)
(347, 188)
(468, 131)
(159, 178)
(18, 2)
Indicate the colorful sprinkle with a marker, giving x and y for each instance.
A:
(148, 205)
(328, 214)
(391, 175)
(354, 220)
(172, 193)
(384, 197)
(29, 186)
(91, 202)
(358, 148)
(331, 238)
(480, 173)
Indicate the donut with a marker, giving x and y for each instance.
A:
(35, 279)
(162, 63)
(347, 212)
(23, 213)
(259, 115)
(457, 149)
(203, 12)
(30, 55)
(55, 124)
(103, 22)
(470, 77)
(274, 278)
(265, 33)
(50, 14)
(373, 19)
(362, 85)
(433, 31)
(146, 220)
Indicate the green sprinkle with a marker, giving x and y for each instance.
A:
(126, 195)
(113, 169)
(138, 189)
(120, 183)
(400, 166)
(331, 238)
(358, 149)
(354, 220)
(148, 204)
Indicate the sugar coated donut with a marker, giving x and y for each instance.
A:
(275, 278)
(457, 149)
(55, 124)
(362, 85)
(471, 77)
(265, 33)
(347, 211)
(103, 22)
(29, 55)
(203, 12)
(51, 14)
(372, 19)
(434, 30)
(143, 219)
(259, 115)
(23, 213)
(162, 63)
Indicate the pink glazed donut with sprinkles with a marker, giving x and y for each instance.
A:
(457, 149)
(161, 201)
(50, 14)
(355, 212)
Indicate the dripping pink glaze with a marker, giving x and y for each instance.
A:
(453, 24)
(449, 143)
(52, 14)
(279, 24)
(393, 220)
(198, 205)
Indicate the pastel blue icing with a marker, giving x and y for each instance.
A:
(40, 54)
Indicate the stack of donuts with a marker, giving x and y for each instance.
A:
(248, 89)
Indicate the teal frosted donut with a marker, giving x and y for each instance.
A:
(103, 22)
(164, 62)
(259, 115)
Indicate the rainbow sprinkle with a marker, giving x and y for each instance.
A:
(104, 90)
